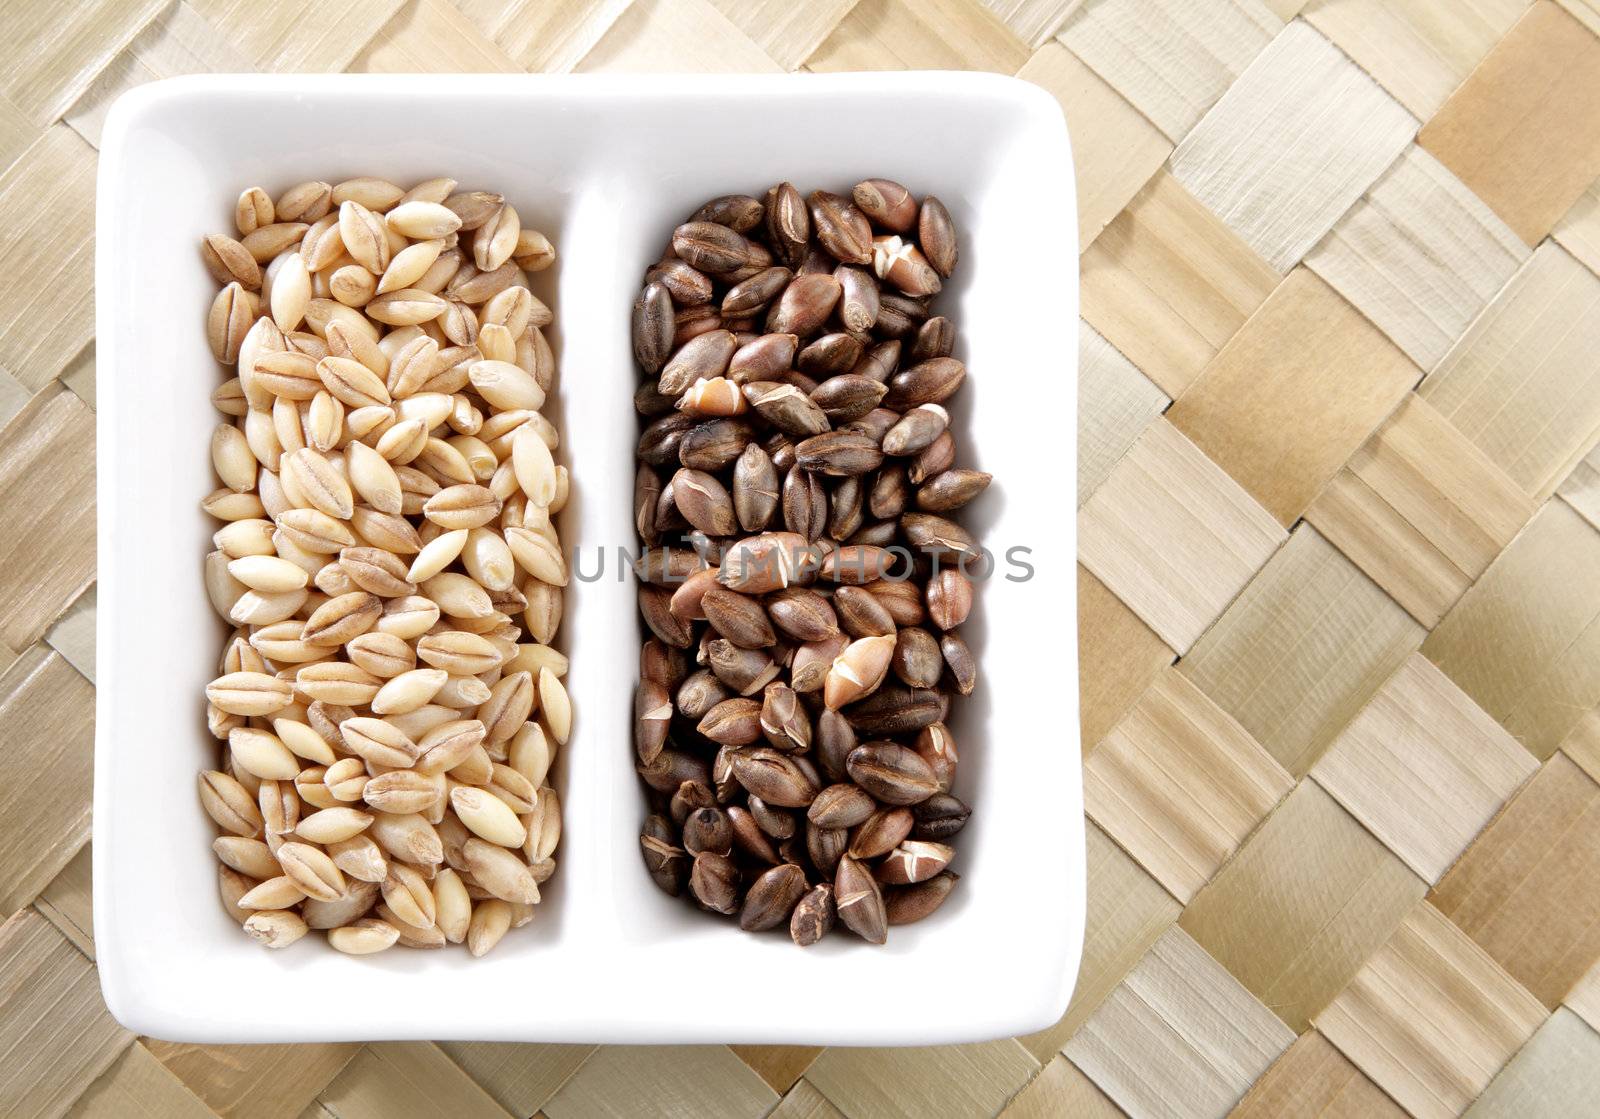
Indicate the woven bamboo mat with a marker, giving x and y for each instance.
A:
(1340, 543)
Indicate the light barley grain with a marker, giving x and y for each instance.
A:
(452, 906)
(312, 870)
(487, 816)
(229, 804)
(488, 925)
(263, 754)
(332, 825)
(275, 928)
(275, 893)
(363, 937)
(556, 705)
(249, 857)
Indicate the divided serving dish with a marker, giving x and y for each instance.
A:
(606, 166)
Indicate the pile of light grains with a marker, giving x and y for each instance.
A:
(803, 580)
(389, 565)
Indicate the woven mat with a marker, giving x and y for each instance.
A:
(1340, 540)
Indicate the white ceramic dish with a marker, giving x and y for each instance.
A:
(606, 166)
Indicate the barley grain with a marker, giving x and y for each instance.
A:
(363, 937)
(275, 928)
(275, 893)
(332, 825)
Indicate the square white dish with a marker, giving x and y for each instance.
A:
(606, 166)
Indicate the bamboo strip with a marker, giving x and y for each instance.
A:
(1168, 283)
(1423, 767)
(1116, 149)
(1172, 535)
(1528, 889)
(1179, 784)
(1302, 649)
(1291, 144)
(47, 735)
(1523, 642)
(1419, 50)
(1303, 903)
(1266, 409)
(1171, 58)
(47, 532)
(1179, 1037)
(1523, 132)
(1115, 404)
(1519, 383)
(1420, 256)
(914, 1083)
(55, 1032)
(1431, 1018)
(674, 36)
